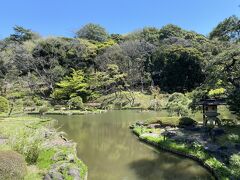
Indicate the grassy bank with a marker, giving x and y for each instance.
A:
(46, 152)
(193, 151)
(67, 112)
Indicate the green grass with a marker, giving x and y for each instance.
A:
(26, 134)
(44, 160)
(195, 150)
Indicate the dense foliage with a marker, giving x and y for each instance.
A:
(94, 63)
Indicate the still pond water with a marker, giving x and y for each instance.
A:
(112, 152)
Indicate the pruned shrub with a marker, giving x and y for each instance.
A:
(235, 164)
(28, 103)
(38, 101)
(76, 103)
(4, 104)
(12, 165)
(43, 110)
(178, 104)
(187, 121)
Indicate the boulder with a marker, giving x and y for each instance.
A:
(217, 131)
(71, 158)
(59, 156)
(74, 173)
(56, 175)
(47, 177)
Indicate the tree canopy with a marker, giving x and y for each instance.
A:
(92, 32)
(94, 62)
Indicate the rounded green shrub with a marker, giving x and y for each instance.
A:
(12, 165)
(76, 103)
(187, 121)
(235, 164)
(43, 110)
(4, 104)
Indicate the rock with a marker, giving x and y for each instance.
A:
(56, 175)
(192, 128)
(74, 173)
(218, 132)
(47, 177)
(154, 126)
(141, 123)
(63, 167)
(169, 134)
(211, 148)
(131, 126)
(59, 156)
(71, 158)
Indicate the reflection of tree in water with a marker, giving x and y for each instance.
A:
(107, 146)
(170, 168)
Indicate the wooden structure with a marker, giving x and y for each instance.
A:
(209, 109)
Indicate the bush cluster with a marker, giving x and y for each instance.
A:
(27, 142)
(12, 166)
(187, 121)
(76, 103)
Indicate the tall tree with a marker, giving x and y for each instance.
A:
(92, 32)
(228, 30)
(177, 69)
(21, 34)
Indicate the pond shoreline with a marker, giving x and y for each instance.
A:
(203, 158)
(56, 156)
(164, 148)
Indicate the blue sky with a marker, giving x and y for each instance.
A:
(63, 17)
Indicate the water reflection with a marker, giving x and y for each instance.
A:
(112, 152)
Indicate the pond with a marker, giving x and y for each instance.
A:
(105, 143)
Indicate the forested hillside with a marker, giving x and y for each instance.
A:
(60, 70)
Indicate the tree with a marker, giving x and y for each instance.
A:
(21, 34)
(93, 32)
(225, 68)
(234, 101)
(148, 34)
(171, 30)
(109, 81)
(114, 81)
(178, 103)
(72, 86)
(70, 53)
(228, 30)
(177, 69)
(132, 57)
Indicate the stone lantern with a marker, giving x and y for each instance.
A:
(210, 110)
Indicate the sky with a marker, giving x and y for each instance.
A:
(64, 17)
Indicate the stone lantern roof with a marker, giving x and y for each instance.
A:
(212, 102)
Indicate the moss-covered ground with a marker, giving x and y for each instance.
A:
(45, 151)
